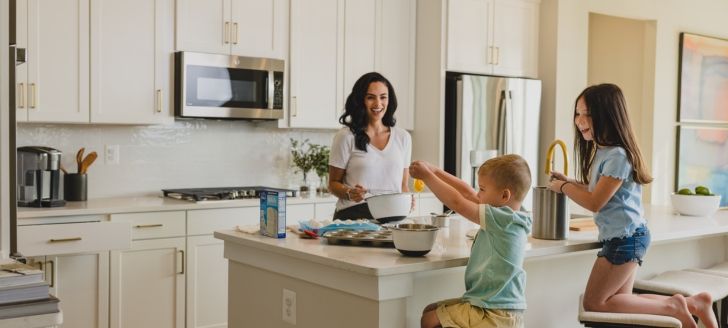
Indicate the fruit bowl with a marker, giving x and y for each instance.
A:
(695, 205)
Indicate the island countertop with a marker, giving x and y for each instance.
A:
(452, 247)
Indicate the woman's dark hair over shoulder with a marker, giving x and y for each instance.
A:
(355, 117)
(611, 127)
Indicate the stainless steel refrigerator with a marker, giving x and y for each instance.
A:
(486, 116)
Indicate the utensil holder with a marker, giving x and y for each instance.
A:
(550, 214)
(75, 187)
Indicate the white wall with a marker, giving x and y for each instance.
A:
(187, 154)
(705, 17)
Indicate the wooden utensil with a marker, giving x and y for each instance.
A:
(79, 158)
(63, 169)
(90, 158)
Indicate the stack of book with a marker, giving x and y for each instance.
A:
(23, 291)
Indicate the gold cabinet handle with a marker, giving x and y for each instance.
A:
(294, 107)
(235, 33)
(141, 226)
(226, 33)
(53, 273)
(21, 95)
(182, 271)
(63, 240)
(159, 100)
(33, 95)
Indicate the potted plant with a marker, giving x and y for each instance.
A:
(321, 166)
(303, 159)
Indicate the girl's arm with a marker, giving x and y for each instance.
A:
(594, 201)
(445, 192)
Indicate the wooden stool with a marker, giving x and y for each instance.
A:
(721, 270)
(688, 283)
(614, 320)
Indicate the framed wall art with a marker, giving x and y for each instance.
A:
(703, 82)
(702, 159)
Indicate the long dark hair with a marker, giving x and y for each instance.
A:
(355, 116)
(610, 127)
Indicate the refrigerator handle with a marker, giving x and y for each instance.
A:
(501, 139)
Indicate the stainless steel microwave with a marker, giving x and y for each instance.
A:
(228, 87)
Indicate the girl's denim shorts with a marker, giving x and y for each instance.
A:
(626, 249)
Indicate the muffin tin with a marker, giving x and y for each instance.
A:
(380, 238)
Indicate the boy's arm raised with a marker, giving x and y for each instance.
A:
(446, 192)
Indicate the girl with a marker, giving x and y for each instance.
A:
(612, 173)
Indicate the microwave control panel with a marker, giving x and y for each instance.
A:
(278, 90)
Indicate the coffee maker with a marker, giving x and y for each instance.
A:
(39, 177)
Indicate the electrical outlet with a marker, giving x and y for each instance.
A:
(289, 306)
(111, 154)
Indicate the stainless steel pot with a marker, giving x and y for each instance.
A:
(550, 214)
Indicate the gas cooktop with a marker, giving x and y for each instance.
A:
(224, 193)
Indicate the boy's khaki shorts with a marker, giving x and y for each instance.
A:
(459, 313)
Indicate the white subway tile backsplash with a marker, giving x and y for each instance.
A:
(186, 154)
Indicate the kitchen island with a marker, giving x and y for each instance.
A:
(335, 286)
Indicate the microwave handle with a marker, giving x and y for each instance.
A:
(270, 89)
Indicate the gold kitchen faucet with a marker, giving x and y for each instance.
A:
(550, 155)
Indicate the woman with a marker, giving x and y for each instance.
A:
(369, 155)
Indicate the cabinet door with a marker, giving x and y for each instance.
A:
(58, 61)
(325, 211)
(515, 38)
(207, 284)
(360, 46)
(203, 26)
(21, 72)
(469, 25)
(148, 284)
(396, 55)
(81, 281)
(315, 58)
(259, 28)
(131, 62)
(299, 212)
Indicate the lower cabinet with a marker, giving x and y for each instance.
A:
(81, 282)
(147, 284)
(207, 283)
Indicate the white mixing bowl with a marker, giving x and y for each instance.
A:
(695, 205)
(390, 207)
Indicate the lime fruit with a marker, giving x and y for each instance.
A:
(685, 191)
(702, 190)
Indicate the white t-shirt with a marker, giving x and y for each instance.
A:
(376, 170)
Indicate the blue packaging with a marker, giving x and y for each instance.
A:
(273, 213)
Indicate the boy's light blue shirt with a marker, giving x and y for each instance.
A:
(494, 277)
(622, 214)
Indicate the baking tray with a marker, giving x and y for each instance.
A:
(380, 238)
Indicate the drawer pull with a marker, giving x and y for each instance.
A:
(148, 225)
(62, 240)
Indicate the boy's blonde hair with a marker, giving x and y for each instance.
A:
(509, 172)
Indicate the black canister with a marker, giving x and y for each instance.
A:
(75, 187)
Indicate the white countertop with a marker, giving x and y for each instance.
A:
(452, 247)
(147, 204)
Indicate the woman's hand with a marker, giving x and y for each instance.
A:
(357, 193)
(557, 185)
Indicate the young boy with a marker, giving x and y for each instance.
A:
(495, 281)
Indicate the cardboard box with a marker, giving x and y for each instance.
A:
(273, 213)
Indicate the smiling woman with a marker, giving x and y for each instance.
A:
(369, 153)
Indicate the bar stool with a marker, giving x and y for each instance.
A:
(614, 320)
(721, 270)
(688, 283)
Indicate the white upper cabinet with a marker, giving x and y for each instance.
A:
(131, 63)
(53, 85)
(493, 37)
(251, 28)
(314, 64)
(334, 42)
